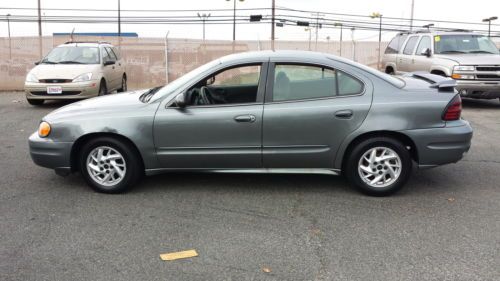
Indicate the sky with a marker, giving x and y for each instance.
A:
(452, 10)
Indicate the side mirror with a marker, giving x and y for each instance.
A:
(109, 62)
(426, 52)
(180, 100)
(37, 62)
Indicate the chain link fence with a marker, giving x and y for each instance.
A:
(156, 61)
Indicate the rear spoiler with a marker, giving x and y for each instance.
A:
(443, 84)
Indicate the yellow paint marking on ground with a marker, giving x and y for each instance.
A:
(179, 255)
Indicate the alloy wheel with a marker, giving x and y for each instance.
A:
(106, 166)
(379, 167)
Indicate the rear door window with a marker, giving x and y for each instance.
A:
(301, 82)
(410, 46)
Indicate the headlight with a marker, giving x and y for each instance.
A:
(43, 129)
(83, 77)
(31, 78)
(463, 68)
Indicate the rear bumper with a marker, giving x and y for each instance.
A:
(439, 146)
(73, 90)
(479, 89)
(50, 154)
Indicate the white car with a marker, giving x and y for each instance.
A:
(76, 70)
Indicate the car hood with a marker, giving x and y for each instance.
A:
(62, 71)
(472, 59)
(99, 106)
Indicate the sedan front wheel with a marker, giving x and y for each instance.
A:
(379, 166)
(109, 165)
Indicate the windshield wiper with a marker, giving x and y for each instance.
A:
(49, 62)
(452, 52)
(70, 62)
(480, 52)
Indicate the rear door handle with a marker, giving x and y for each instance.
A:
(245, 118)
(344, 114)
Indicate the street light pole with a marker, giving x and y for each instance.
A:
(340, 39)
(39, 30)
(412, 9)
(203, 18)
(10, 43)
(234, 18)
(353, 44)
(489, 24)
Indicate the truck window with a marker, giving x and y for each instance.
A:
(396, 44)
(410, 46)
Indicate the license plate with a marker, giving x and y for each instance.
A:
(54, 90)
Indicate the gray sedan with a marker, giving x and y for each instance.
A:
(283, 111)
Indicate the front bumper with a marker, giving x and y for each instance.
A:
(49, 154)
(72, 90)
(439, 146)
(479, 89)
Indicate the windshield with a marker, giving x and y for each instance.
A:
(464, 44)
(73, 55)
(174, 85)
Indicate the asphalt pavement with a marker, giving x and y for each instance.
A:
(444, 225)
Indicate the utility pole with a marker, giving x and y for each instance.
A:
(10, 43)
(411, 17)
(489, 24)
(272, 24)
(119, 26)
(316, 31)
(378, 15)
(39, 30)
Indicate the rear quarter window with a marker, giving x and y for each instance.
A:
(395, 45)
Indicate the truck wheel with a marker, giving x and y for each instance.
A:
(379, 166)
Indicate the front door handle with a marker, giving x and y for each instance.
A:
(344, 114)
(245, 118)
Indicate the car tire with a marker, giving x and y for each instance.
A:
(35, 102)
(378, 166)
(109, 165)
(124, 84)
(103, 89)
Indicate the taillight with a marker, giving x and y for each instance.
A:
(453, 109)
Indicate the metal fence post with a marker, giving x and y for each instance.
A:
(166, 57)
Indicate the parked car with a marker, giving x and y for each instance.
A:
(76, 70)
(473, 60)
(283, 111)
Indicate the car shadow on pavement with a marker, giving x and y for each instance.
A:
(243, 182)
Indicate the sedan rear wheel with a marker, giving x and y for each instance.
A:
(109, 165)
(379, 166)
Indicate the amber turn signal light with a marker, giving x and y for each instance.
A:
(44, 129)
